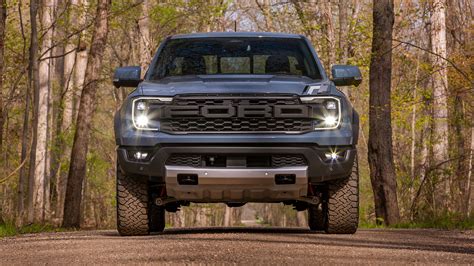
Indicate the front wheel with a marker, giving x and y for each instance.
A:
(341, 204)
(136, 214)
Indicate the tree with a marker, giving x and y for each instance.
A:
(144, 28)
(3, 19)
(35, 87)
(380, 156)
(440, 97)
(69, 93)
(24, 180)
(77, 168)
(329, 32)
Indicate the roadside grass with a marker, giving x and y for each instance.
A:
(447, 221)
(9, 229)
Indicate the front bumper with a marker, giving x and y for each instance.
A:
(318, 169)
(238, 185)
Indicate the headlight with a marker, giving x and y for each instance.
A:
(326, 111)
(145, 112)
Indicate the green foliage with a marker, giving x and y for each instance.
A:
(9, 229)
(165, 14)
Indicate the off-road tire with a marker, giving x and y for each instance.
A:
(341, 204)
(132, 206)
(316, 217)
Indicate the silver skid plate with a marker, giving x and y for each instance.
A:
(236, 184)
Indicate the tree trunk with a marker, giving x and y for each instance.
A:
(228, 216)
(330, 36)
(23, 176)
(145, 41)
(3, 19)
(81, 63)
(468, 191)
(380, 157)
(440, 102)
(413, 130)
(343, 35)
(66, 122)
(343, 31)
(265, 8)
(301, 219)
(42, 97)
(77, 168)
(35, 85)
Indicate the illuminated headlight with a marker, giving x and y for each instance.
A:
(141, 106)
(141, 121)
(143, 112)
(330, 120)
(326, 111)
(331, 105)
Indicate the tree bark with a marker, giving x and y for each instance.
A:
(42, 97)
(3, 19)
(67, 118)
(330, 36)
(145, 41)
(228, 216)
(343, 35)
(38, 164)
(82, 54)
(23, 176)
(380, 156)
(265, 8)
(343, 31)
(77, 169)
(35, 85)
(468, 191)
(440, 99)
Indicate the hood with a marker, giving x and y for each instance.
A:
(225, 84)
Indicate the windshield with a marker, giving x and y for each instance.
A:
(256, 56)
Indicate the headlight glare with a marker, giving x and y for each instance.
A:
(326, 111)
(145, 112)
(141, 121)
(330, 120)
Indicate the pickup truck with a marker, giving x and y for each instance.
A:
(236, 117)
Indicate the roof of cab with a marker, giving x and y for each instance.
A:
(236, 34)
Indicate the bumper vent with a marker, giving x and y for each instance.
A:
(274, 161)
(288, 160)
(191, 160)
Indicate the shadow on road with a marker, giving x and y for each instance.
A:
(242, 230)
(421, 240)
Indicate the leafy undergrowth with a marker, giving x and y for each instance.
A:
(9, 229)
(445, 221)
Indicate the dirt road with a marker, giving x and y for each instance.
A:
(242, 246)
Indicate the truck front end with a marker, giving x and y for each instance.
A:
(235, 118)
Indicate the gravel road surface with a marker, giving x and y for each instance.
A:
(241, 246)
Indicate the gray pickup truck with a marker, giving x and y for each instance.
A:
(236, 118)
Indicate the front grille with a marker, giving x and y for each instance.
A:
(274, 161)
(236, 125)
(236, 113)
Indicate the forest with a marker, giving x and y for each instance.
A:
(57, 59)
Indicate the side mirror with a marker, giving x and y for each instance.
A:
(344, 75)
(129, 76)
